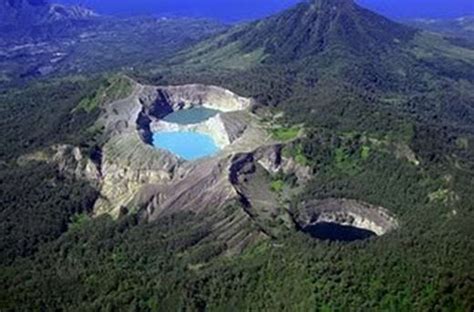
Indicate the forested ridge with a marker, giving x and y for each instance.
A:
(37, 200)
(391, 127)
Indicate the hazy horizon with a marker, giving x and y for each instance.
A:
(237, 10)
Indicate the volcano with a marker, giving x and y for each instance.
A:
(334, 57)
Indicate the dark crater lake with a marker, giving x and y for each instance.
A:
(191, 116)
(337, 232)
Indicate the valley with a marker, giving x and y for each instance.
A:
(90, 44)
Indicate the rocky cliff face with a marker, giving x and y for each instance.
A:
(71, 161)
(347, 212)
(163, 100)
(75, 163)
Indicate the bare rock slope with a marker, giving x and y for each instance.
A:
(137, 177)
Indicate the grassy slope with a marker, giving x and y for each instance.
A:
(115, 88)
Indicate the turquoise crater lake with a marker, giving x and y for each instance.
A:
(187, 145)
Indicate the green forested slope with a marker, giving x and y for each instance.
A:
(325, 58)
(36, 200)
(172, 264)
(388, 120)
(103, 264)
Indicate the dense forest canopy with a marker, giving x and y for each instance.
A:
(387, 113)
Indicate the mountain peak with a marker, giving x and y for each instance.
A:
(312, 28)
(331, 3)
(25, 13)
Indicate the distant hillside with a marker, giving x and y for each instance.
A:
(460, 27)
(25, 13)
(338, 58)
(40, 39)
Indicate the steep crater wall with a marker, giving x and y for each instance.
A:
(159, 102)
(130, 162)
(164, 100)
(346, 212)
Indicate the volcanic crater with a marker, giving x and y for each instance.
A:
(138, 177)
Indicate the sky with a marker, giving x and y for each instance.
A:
(238, 10)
